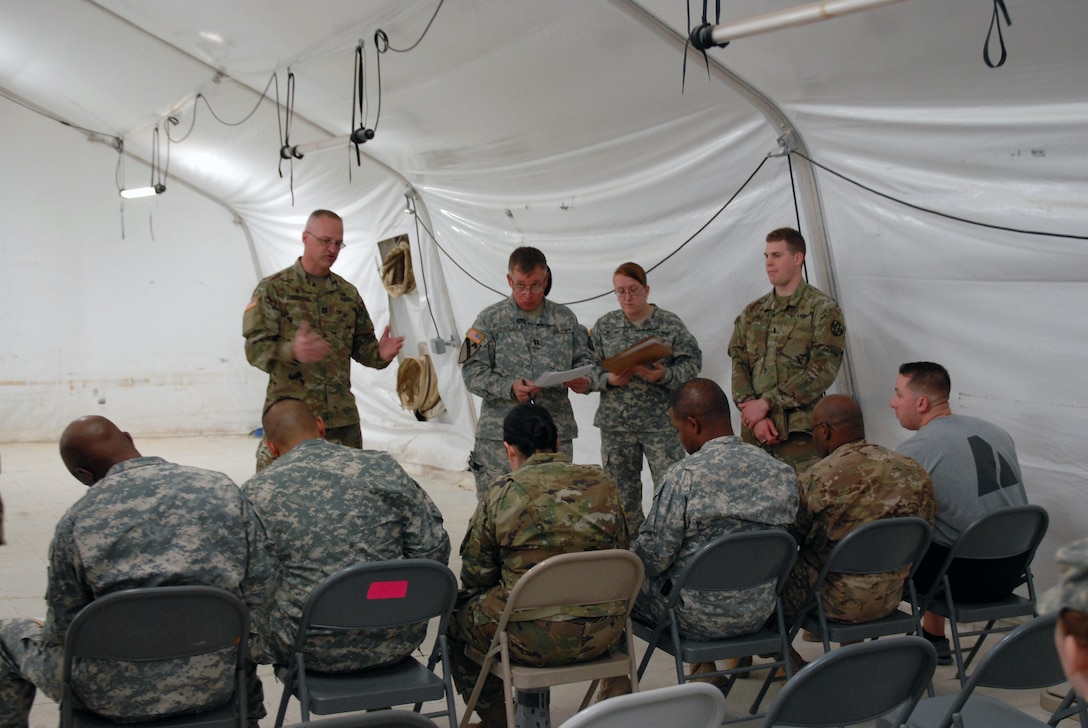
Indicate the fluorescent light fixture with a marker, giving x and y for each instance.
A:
(143, 192)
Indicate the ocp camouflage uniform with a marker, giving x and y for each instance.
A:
(727, 486)
(327, 507)
(504, 345)
(634, 418)
(788, 352)
(858, 483)
(547, 507)
(334, 310)
(147, 523)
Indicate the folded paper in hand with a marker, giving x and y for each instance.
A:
(649, 349)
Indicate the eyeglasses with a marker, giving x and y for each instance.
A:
(632, 291)
(328, 242)
(533, 288)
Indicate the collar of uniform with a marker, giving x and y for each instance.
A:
(770, 303)
(539, 458)
(132, 463)
(306, 279)
(518, 313)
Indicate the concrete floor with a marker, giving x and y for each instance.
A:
(36, 491)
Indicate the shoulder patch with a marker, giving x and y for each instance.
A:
(837, 329)
(474, 339)
(252, 304)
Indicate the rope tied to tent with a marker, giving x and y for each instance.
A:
(284, 125)
(700, 38)
(995, 22)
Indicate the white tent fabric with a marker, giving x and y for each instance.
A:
(560, 125)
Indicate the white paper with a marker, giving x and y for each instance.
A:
(556, 379)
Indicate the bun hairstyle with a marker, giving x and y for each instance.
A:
(529, 429)
(632, 270)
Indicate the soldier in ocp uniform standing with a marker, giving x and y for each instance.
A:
(786, 350)
(510, 344)
(305, 324)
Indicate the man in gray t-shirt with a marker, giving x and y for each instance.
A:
(975, 472)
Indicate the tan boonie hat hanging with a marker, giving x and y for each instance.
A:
(397, 275)
(417, 387)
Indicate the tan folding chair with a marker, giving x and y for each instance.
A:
(578, 579)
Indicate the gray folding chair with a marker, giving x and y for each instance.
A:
(355, 598)
(1025, 659)
(1006, 533)
(139, 628)
(373, 719)
(691, 705)
(856, 684)
(878, 547)
(730, 562)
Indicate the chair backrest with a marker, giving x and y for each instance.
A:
(372, 719)
(582, 578)
(1025, 659)
(137, 625)
(157, 623)
(379, 595)
(691, 705)
(880, 546)
(1004, 533)
(739, 561)
(856, 684)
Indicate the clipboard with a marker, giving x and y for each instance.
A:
(643, 352)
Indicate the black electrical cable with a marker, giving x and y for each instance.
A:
(421, 37)
(244, 119)
(927, 210)
(797, 212)
(608, 292)
(423, 278)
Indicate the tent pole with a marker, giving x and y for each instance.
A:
(782, 19)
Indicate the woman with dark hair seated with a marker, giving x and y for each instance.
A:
(545, 506)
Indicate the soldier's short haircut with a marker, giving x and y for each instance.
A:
(700, 398)
(795, 242)
(287, 418)
(529, 428)
(324, 213)
(526, 260)
(632, 270)
(927, 377)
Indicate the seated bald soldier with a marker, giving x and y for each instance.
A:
(325, 507)
(143, 522)
(855, 482)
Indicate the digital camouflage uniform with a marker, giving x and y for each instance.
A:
(788, 353)
(727, 486)
(547, 507)
(327, 507)
(634, 418)
(858, 483)
(147, 523)
(506, 344)
(334, 310)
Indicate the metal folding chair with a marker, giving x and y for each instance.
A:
(373, 596)
(143, 627)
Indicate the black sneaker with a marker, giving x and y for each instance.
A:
(944, 650)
